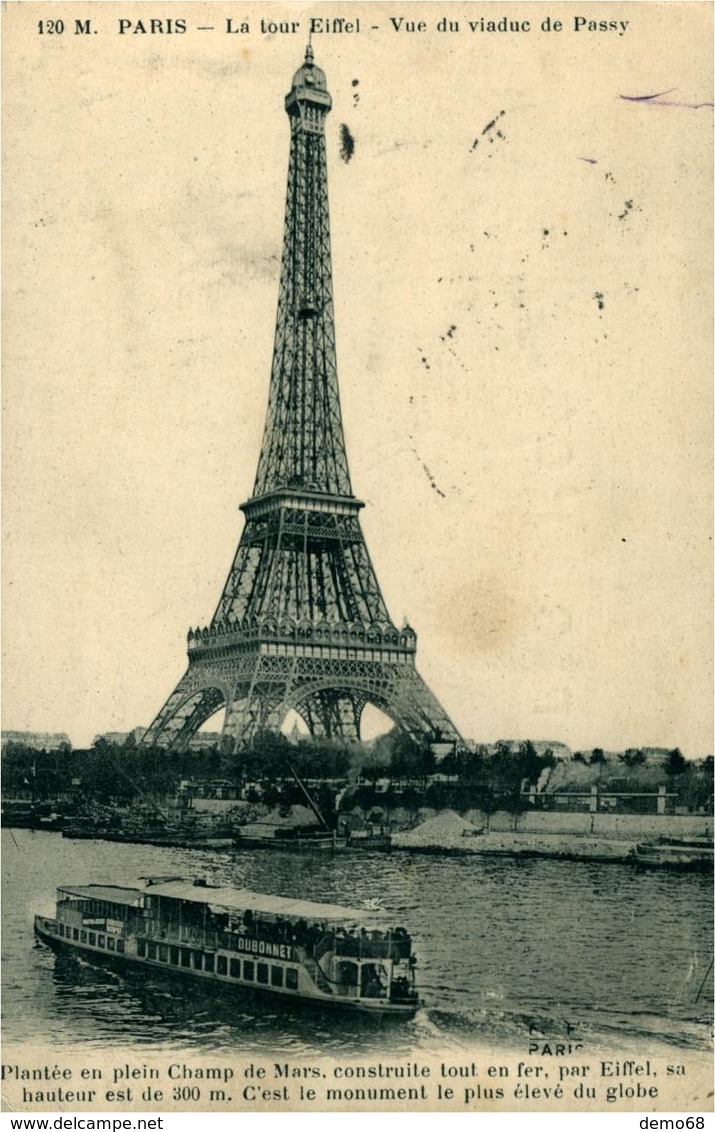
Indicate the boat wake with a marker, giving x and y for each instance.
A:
(455, 1026)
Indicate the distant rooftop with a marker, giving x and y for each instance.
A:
(39, 739)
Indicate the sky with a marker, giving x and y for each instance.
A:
(522, 288)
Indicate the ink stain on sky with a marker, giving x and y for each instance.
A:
(490, 126)
(347, 143)
(429, 475)
(659, 99)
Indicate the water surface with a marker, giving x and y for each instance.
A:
(501, 943)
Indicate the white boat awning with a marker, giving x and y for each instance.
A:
(109, 893)
(243, 899)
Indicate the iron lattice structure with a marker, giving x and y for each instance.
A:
(301, 622)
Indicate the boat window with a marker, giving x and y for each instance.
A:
(163, 952)
(75, 933)
(208, 961)
(151, 949)
(185, 957)
(262, 972)
(174, 956)
(82, 937)
(347, 973)
(276, 976)
(221, 965)
(120, 945)
(110, 942)
(371, 983)
(93, 937)
(141, 947)
(248, 969)
(235, 968)
(292, 978)
(198, 955)
(101, 941)
(61, 929)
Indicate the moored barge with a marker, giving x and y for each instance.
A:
(692, 854)
(227, 937)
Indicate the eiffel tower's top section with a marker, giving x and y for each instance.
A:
(303, 443)
(309, 85)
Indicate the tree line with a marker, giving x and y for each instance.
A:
(395, 763)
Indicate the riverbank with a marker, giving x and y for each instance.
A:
(578, 836)
(564, 846)
(449, 833)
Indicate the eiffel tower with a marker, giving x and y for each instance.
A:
(302, 623)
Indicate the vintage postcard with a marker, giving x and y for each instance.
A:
(357, 730)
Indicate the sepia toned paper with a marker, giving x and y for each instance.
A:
(521, 232)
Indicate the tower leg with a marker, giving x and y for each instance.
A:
(185, 711)
(333, 713)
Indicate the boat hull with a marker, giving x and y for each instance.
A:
(291, 845)
(673, 853)
(46, 933)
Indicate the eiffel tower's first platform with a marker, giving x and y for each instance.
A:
(301, 622)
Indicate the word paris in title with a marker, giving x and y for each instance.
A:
(337, 25)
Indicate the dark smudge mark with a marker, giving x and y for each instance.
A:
(589, 160)
(598, 296)
(646, 97)
(490, 126)
(428, 473)
(655, 100)
(347, 143)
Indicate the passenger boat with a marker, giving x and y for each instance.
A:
(316, 953)
(694, 854)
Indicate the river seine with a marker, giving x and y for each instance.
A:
(504, 946)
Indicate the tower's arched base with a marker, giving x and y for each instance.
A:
(327, 692)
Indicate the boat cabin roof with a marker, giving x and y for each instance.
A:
(242, 899)
(110, 893)
(228, 899)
